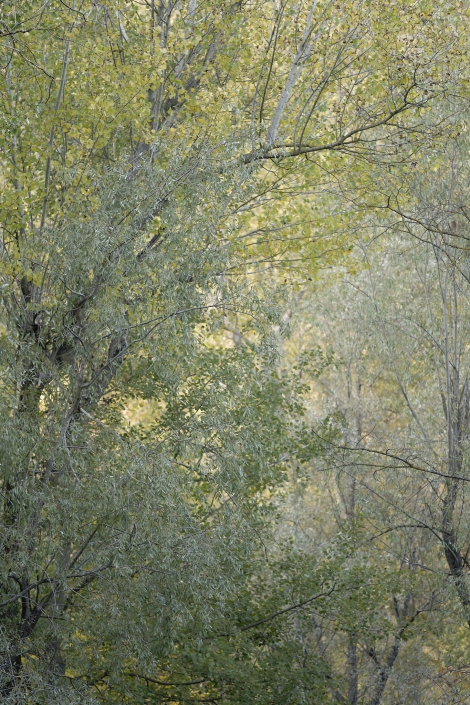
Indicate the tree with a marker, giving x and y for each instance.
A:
(398, 323)
(142, 414)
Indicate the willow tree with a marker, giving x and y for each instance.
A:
(393, 484)
(142, 417)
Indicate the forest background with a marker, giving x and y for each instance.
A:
(235, 405)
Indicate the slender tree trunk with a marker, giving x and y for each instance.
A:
(350, 505)
(352, 671)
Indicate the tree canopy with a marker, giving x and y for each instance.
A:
(233, 390)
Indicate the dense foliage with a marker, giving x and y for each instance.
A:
(204, 433)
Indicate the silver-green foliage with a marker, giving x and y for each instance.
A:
(118, 537)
